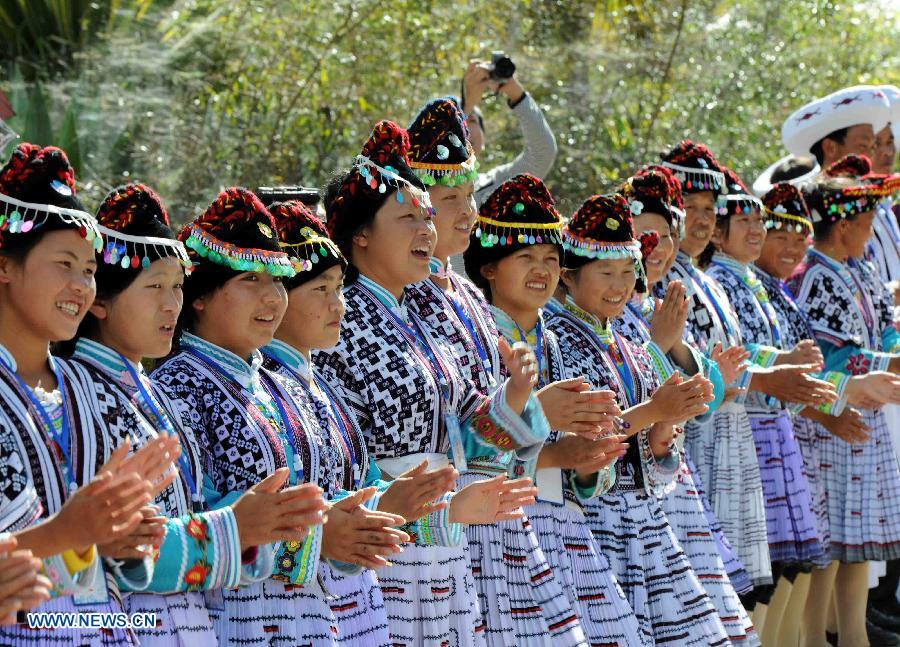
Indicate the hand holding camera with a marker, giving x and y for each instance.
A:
(496, 74)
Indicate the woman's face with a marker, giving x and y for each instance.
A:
(50, 291)
(602, 287)
(454, 218)
(243, 314)
(745, 238)
(658, 260)
(315, 310)
(782, 252)
(140, 320)
(394, 250)
(524, 281)
(699, 222)
(857, 232)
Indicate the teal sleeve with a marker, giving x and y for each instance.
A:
(200, 551)
(497, 428)
(853, 359)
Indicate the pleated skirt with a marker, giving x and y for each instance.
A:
(521, 599)
(20, 634)
(862, 486)
(806, 432)
(724, 459)
(430, 597)
(790, 522)
(566, 540)
(182, 619)
(685, 511)
(669, 601)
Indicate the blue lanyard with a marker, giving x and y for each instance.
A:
(285, 431)
(418, 341)
(539, 334)
(636, 311)
(163, 423)
(769, 316)
(334, 415)
(623, 370)
(470, 326)
(61, 438)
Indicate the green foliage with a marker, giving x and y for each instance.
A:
(201, 94)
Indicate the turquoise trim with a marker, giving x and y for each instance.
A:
(290, 357)
(381, 293)
(102, 356)
(243, 372)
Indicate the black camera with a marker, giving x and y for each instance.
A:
(502, 67)
(272, 194)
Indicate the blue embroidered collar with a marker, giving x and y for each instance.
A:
(244, 373)
(290, 357)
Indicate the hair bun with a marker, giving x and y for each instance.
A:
(291, 216)
(132, 206)
(31, 169)
(852, 166)
(387, 142)
(733, 183)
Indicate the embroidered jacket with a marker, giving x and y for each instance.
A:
(201, 549)
(546, 348)
(849, 316)
(461, 322)
(608, 361)
(33, 485)
(231, 406)
(461, 318)
(711, 318)
(397, 380)
(795, 328)
(334, 447)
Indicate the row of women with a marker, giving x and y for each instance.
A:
(338, 442)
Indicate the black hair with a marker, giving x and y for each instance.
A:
(815, 195)
(817, 149)
(791, 169)
(364, 207)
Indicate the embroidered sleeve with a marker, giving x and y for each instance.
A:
(494, 425)
(603, 481)
(853, 359)
(435, 528)
(200, 551)
(296, 561)
(71, 574)
(20, 506)
(710, 369)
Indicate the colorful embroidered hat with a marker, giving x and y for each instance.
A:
(786, 209)
(304, 239)
(846, 189)
(654, 189)
(381, 170)
(860, 104)
(791, 169)
(520, 212)
(695, 167)
(135, 228)
(440, 152)
(37, 192)
(236, 232)
(602, 228)
(738, 198)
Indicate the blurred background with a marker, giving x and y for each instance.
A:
(190, 96)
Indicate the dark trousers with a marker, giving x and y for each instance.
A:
(886, 591)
